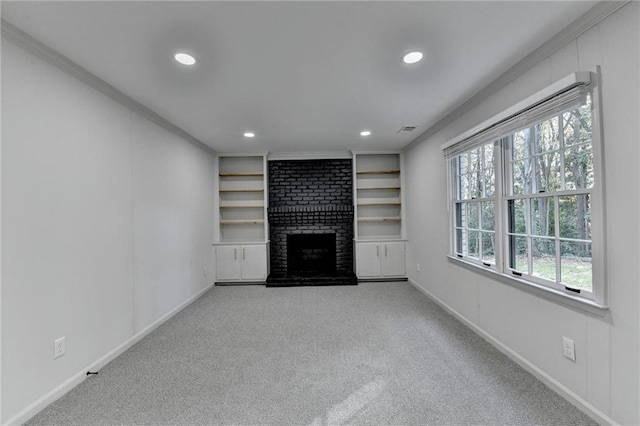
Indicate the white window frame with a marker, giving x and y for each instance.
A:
(489, 131)
(483, 198)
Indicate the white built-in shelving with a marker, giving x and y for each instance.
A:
(379, 230)
(241, 198)
(378, 195)
(242, 226)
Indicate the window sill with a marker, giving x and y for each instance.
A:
(577, 303)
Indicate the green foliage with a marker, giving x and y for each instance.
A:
(576, 272)
(553, 155)
(556, 149)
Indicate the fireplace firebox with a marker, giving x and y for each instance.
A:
(311, 255)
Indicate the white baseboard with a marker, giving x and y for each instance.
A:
(80, 376)
(545, 378)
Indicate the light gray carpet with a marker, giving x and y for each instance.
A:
(376, 353)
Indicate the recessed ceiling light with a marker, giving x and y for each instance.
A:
(184, 58)
(249, 135)
(412, 57)
(365, 133)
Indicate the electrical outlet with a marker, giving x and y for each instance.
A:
(569, 348)
(205, 272)
(59, 347)
(417, 267)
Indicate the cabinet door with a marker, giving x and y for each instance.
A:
(228, 262)
(254, 262)
(368, 260)
(392, 257)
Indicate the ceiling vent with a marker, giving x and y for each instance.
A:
(405, 129)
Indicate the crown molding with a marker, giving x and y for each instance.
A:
(584, 23)
(23, 40)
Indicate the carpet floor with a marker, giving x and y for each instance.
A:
(376, 353)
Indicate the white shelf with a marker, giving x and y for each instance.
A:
(242, 222)
(360, 188)
(379, 219)
(223, 175)
(241, 206)
(379, 203)
(378, 196)
(241, 199)
(378, 172)
(241, 190)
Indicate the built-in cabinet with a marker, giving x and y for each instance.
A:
(381, 260)
(379, 225)
(241, 245)
(241, 262)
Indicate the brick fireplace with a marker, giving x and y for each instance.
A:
(311, 222)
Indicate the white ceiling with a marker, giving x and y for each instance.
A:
(305, 76)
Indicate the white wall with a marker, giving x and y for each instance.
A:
(106, 225)
(607, 371)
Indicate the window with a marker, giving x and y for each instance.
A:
(550, 173)
(525, 193)
(475, 204)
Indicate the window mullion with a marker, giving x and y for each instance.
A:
(556, 209)
(452, 193)
(532, 159)
(501, 157)
(527, 221)
(563, 184)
